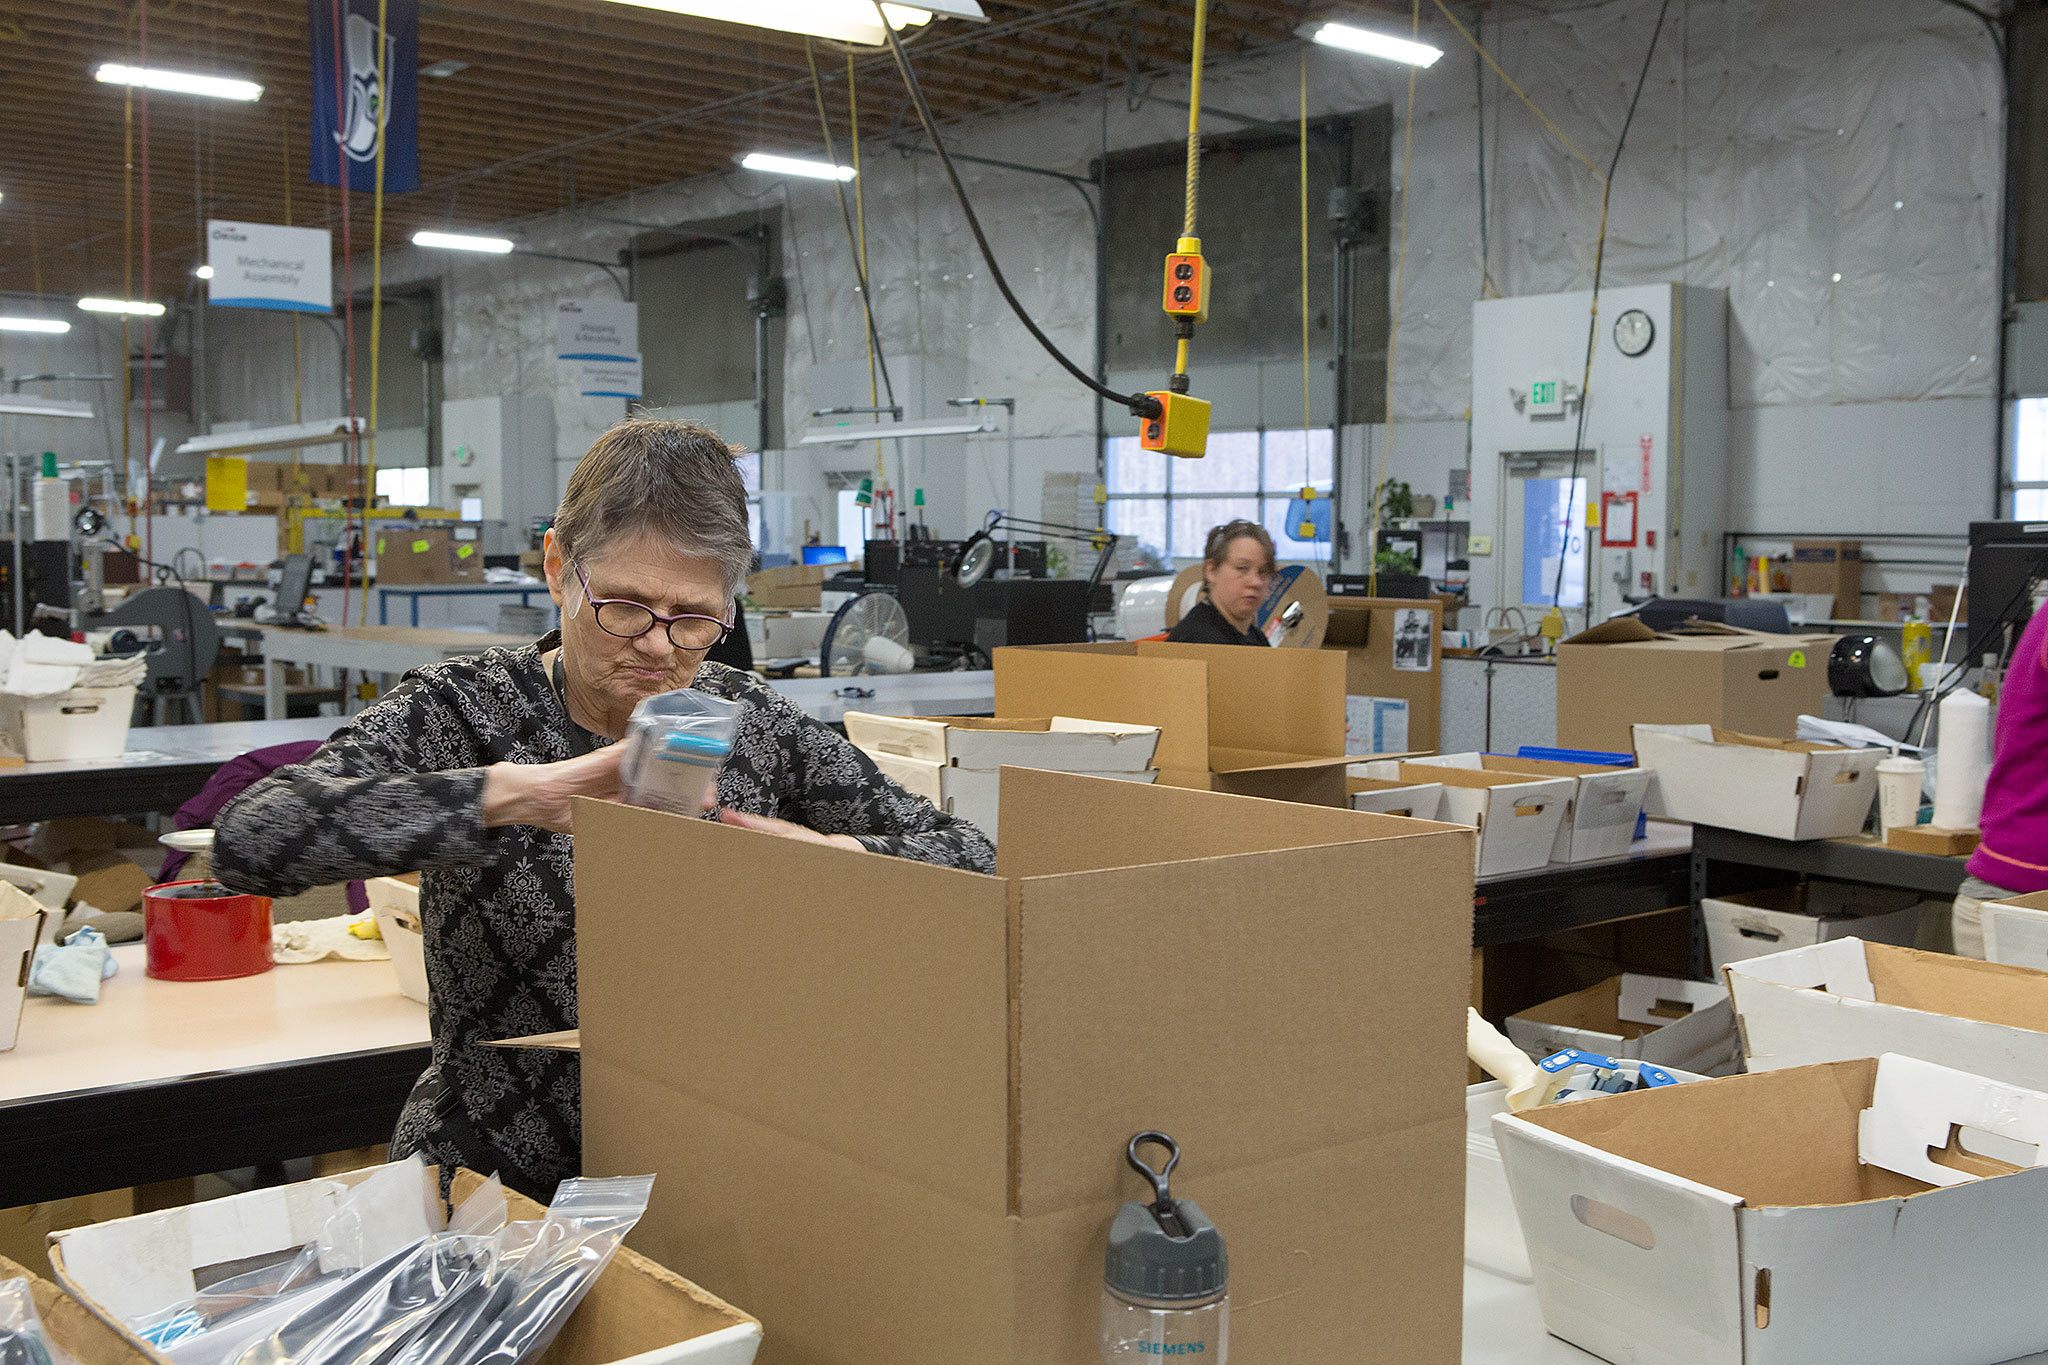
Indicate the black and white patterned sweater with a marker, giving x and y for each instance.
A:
(401, 789)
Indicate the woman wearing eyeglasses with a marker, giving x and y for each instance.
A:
(466, 771)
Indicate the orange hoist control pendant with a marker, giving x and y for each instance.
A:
(1180, 428)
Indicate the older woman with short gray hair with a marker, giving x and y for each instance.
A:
(466, 770)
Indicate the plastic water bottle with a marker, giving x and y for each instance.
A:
(1166, 1278)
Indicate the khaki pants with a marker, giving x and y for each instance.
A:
(1966, 921)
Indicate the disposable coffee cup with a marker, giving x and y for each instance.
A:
(1900, 781)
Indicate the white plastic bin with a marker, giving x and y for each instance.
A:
(86, 722)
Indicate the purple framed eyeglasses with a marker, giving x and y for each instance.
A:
(629, 620)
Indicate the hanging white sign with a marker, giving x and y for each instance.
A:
(600, 340)
(262, 265)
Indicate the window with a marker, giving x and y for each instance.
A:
(405, 487)
(1170, 504)
(2030, 459)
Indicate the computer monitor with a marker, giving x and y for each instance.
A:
(824, 554)
(2008, 562)
(294, 581)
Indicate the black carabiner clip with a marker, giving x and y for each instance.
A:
(1163, 1207)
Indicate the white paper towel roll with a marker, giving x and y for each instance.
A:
(52, 509)
(1964, 761)
(1141, 611)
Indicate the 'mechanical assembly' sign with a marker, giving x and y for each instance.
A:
(261, 265)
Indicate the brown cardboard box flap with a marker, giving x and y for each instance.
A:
(568, 1040)
(71, 1327)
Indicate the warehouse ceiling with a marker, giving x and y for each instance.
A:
(555, 103)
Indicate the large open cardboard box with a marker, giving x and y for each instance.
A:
(1621, 673)
(1831, 1213)
(888, 1102)
(637, 1310)
(1779, 788)
(2016, 931)
(1363, 630)
(1848, 998)
(1252, 722)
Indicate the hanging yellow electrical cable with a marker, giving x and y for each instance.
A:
(1304, 268)
(860, 218)
(127, 292)
(284, 143)
(1386, 455)
(369, 488)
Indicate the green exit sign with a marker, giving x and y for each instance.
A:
(1546, 397)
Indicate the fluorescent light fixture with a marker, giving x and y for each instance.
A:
(204, 272)
(178, 82)
(1372, 43)
(288, 437)
(33, 405)
(460, 241)
(134, 307)
(443, 69)
(795, 165)
(54, 326)
(892, 431)
(846, 21)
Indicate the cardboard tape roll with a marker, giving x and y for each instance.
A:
(1185, 592)
(1296, 585)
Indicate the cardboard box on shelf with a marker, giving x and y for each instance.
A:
(1605, 804)
(2015, 930)
(409, 555)
(1933, 840)
(1781, 789)
(1416, 800)
(952, 1065)
(1688, 1025)
(1621, 673)
(22, 918)
(71, 1329)
(635, 1310)
(1828, 566)
(1848, 998)
(1391, 664)
(1518, 816)
(1778, 919)
(797, 586)
(1791, 1218)
(1251, 722)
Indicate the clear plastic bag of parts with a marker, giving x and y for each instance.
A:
(391, 1210)
(22, 1338)
(675, 744)
(459, 1298)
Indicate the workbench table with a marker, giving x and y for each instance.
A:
(388, 650)
(525, 592)
(1518, 906)
(164, 767)
(167, 1079)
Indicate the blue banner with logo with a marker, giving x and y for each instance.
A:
(345, 124)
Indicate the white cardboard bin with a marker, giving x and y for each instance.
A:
(1416, 800)
(1791, 1218)
(86, 722)
(2016, 931)
(21, 926)
(1517, 816)
(1781, 789)
(971, 794)
(636, 1310)
(1059, 743)
(1605, 804)
(1848, 998)
(396, 904)
(1778, 919)
(1678, 1025)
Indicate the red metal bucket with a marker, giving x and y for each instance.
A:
(197, 937)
